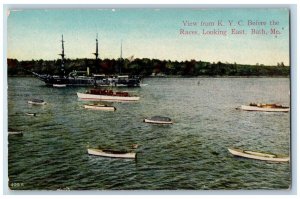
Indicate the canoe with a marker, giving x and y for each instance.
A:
(258, 155)
(108, 98)
(37, 102)
(112, 153)
(158, 120)
(100, 107)
(264, 109)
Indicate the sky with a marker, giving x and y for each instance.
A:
(151, 33)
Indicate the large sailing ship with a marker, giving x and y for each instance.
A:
(76, 78)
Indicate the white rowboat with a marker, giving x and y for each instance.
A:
(258, 155)
(263, 109)
(100, 107)
(108, 98)
(37, 102)
(112, 154)
(15, 133)
(31, 114)
(159, 120)
(59, 85)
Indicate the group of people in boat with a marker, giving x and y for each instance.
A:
(108, 92)
(266, 105)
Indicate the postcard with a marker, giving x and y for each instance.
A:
(149, 99)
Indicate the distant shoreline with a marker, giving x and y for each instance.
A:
(146, 68)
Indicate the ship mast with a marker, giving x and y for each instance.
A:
(121, 51)
(121, 58)
(96, 53)
(62, 68)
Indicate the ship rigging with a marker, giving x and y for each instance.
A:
(96, 80)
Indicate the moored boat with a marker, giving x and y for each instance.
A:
(100, 107)
(31, 114)
(158, 120)
(14, 132)
(112, 153)
(264, 107)
(258, 155)
(107, 95)
(59, 85)
(37, 102)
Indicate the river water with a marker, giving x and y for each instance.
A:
(191, 154)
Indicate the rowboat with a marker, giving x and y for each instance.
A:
(100, 107)
(19, 133)
(59, 85)
(37, 102)
(158, 120)
(264, 107)
(258, 155)
(107, 95)
(31, 114)
(112, 153)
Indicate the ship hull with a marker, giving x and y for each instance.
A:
(108, 98)
(86, 81)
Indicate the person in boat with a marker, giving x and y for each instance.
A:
(266, 105)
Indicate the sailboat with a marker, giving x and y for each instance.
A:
(74, 78)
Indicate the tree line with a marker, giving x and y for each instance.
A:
(145, 67)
